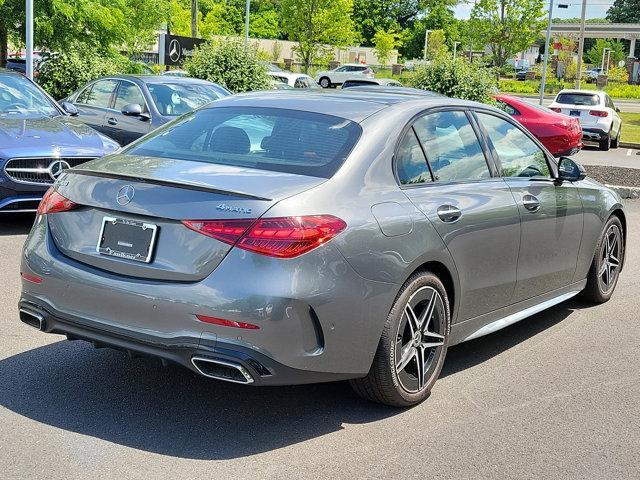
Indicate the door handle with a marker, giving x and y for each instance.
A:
(531, 203)
(449, 213)
(112, 121)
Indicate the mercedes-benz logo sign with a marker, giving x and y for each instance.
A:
(175, 50)
(125, 195)
(56, 168)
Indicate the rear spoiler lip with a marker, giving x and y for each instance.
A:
(167, 183)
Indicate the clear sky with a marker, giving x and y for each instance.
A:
(595, 8)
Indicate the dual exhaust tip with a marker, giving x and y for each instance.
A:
(222, 370)
(209, 367)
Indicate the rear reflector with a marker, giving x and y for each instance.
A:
(31, 278)
(599, 113)
(282, 237)
(53, 202)
(227, 323)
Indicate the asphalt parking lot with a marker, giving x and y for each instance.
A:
(555, 396)
(615, 157)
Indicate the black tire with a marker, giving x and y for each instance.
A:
(597, 289)
(325, 82)
(605, 143)
(386, 382)
(615, 143)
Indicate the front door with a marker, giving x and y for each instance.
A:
(551, 213)
(473, 211)
(126, 129)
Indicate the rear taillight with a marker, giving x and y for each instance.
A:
(556, 109)
(282, 237)
(599, 113)
(53, 202)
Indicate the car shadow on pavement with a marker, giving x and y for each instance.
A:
(16, 223)
(474, 352)
(172, 411)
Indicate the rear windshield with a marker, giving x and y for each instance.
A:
(280, 140)
(578, 99)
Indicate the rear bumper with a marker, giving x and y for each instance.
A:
(593, 134)
(257, 368)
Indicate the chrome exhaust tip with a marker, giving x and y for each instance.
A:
(32, 319)
(222, 370)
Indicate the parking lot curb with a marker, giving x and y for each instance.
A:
(630, 145)
(626, 192)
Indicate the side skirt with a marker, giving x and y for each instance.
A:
(499, 319)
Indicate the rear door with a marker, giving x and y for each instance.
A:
(551, 213)
(616, 120)
(94, 102)
(473, 211)
(126, 129)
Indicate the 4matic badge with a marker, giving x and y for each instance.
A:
(230, 208)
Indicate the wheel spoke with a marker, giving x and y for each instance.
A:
(407, 354)
(426, 316)
(411, 319)
(603, 268)
(420, 367)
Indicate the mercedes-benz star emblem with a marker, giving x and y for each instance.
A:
(125, 194)
(175, 51)
(56, 168)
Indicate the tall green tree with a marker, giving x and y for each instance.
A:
(314, 24)
(624, 11)
(371, 16)
(384, 43)
(436, 15)
(594, 54)
(506, 26)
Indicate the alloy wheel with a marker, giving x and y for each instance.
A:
(610, 258)
(419, 339)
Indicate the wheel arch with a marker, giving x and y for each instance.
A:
(619, 213)
(446, 277)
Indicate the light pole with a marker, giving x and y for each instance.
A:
(246, 24)
(455, 49)
(426, 40)
(29, 35)
(543, 81)
(581, 42)
(604, 52)
(194, 18)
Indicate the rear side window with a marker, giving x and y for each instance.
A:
(411, 165)
(281, 140)
(452, 147)
(505, 107)
(578, 99)
(518, 154)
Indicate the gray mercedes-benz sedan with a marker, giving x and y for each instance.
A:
(274, 238)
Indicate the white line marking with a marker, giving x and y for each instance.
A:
(629, 153)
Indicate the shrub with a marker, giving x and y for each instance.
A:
(623, 91)
(456, 78)
(230, 64)
(618, 74)
(64, 73)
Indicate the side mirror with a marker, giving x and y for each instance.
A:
(69, 108)
(618, 109)
(132, 110)
(570, 171)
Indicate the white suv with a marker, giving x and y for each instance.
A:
(596, 113)
(349, 71)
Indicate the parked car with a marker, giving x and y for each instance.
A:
(278, 85)
(125, 107)
(521, 74)
(593, 74)
(349, 71)
(561, 134)
(385, 82)
(596, 112)
(276, 238)
(295, 80)
(38, 141)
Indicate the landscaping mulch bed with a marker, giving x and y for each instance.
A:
(627, 177)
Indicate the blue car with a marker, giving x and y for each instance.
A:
(38, 141)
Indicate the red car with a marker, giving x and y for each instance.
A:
(561, 134)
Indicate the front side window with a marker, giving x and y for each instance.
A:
(100, 94)
(411, 165)
(129, 93)
(517, 153)
(452, 147)
(275, 139)
(173, 99)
